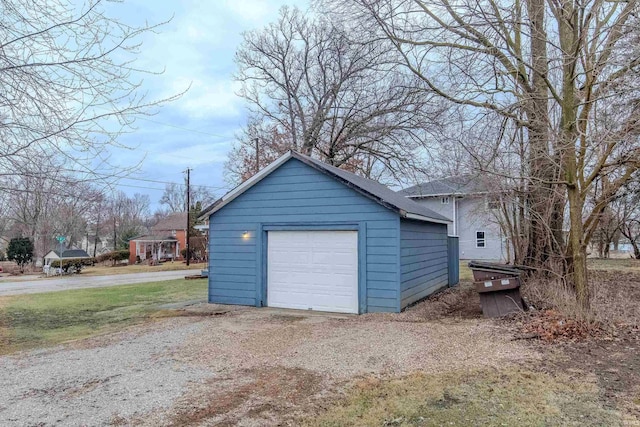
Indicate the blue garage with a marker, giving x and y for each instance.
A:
(306, 235)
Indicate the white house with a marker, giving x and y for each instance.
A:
(471, 206)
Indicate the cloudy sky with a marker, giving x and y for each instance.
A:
(195, 49)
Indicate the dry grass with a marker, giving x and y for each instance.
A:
(614, 297)
(511, 396)
(101, 270)
(623, 264)
(465, 272)
(271, 391)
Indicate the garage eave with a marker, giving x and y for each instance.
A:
(417, 217)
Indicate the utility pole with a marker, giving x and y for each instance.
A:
(95, 240)
(188, 214)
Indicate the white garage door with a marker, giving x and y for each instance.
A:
(315, 270)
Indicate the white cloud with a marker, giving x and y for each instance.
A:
(254, 11)
(208, 98)
(196, 48)
(194, 155)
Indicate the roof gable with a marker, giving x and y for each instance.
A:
(371, 189)
(69, 253)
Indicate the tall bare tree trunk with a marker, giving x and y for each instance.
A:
(545, 229)
(577, 248)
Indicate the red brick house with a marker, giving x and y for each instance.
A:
(167, 239)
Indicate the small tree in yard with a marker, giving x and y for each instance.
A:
(20, 251)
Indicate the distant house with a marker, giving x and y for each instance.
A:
(471, 205)
(166, 240)
(102, 246)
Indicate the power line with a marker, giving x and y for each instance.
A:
(227, 138)
(153, 181)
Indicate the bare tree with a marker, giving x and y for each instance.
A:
(564, 72)
(126, 217)
(69, 82)
(258, 145)
(331, 95)
(174, 197)
(45, 202)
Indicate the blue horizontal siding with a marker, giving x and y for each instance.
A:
(423, 260)
(298, 194)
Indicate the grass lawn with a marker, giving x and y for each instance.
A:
(465, 271)
(506, 397)
(40, 320)
(614, 264)
(100, 270)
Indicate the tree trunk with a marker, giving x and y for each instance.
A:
(636, 249)
(577, 248)
(545, 224)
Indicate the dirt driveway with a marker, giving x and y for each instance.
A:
(222, 366)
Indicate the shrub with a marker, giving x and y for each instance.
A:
(192, 251)
(74, 265)
(20, 251)
(114, 256)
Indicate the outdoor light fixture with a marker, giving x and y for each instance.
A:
(245, 235)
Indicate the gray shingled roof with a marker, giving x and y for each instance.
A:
(381, 192)
(463, 184)
(73, 253)
(174, 221)
(155, 238)
(369, 188)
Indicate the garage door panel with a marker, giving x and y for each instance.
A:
(335, 259)
(290, 257)
(315, 270)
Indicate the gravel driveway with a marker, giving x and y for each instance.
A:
(245, 366)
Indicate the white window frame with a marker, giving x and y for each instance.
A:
(482, 239)
(444, 200)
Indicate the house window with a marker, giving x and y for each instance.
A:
(493, 203)
(480, 240)
(445, 200)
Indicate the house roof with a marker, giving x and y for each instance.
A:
(154, 238)
(71, 253)
(462, 185)
(372, 189)
(174, 221)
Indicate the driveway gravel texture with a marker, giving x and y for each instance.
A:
(225, 365)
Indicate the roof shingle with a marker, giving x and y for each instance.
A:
(174, 221)
(462, 185)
